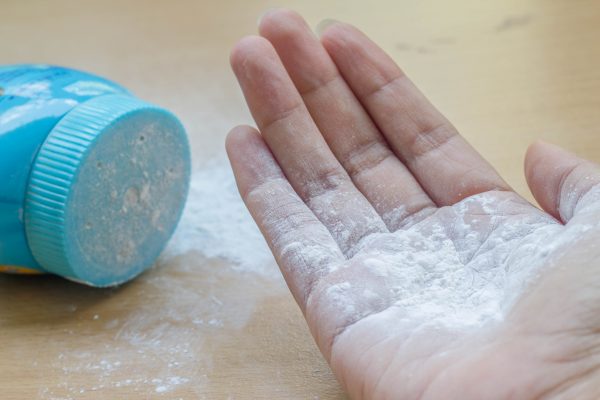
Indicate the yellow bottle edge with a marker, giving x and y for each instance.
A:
(13, 269)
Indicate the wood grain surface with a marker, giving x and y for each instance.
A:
(506, 73)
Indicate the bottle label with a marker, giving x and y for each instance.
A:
(13, 269)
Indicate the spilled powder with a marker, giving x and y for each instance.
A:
(216, 223)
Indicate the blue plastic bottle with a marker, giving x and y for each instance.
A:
(92, 180)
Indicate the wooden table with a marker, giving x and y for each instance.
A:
(505, 72)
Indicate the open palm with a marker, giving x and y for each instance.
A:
(420, 272)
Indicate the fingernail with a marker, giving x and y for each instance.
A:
(265, 13)
(323, 25)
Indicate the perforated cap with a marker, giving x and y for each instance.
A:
(106, 190)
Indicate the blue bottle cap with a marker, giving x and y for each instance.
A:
(106, 190)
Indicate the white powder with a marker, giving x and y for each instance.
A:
(461, 267)
(216, 223)
(161, 336)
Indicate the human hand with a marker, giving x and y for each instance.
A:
(420, 272)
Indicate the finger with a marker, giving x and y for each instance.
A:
(447, 167)
(559, 179)
(343, 122)
(302, 246)
(298, 147)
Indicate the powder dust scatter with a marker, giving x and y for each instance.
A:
(513, 21)
(157, 347)
(216, 223)
(157, 340)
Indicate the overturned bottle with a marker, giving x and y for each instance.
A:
(92, 180)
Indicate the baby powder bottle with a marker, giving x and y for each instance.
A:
(92, 180)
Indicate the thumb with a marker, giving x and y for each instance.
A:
(558, 179)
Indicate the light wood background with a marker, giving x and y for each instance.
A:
(506, 72)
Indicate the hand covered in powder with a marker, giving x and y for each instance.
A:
(420, 272)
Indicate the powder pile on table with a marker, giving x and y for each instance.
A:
(216, 223)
